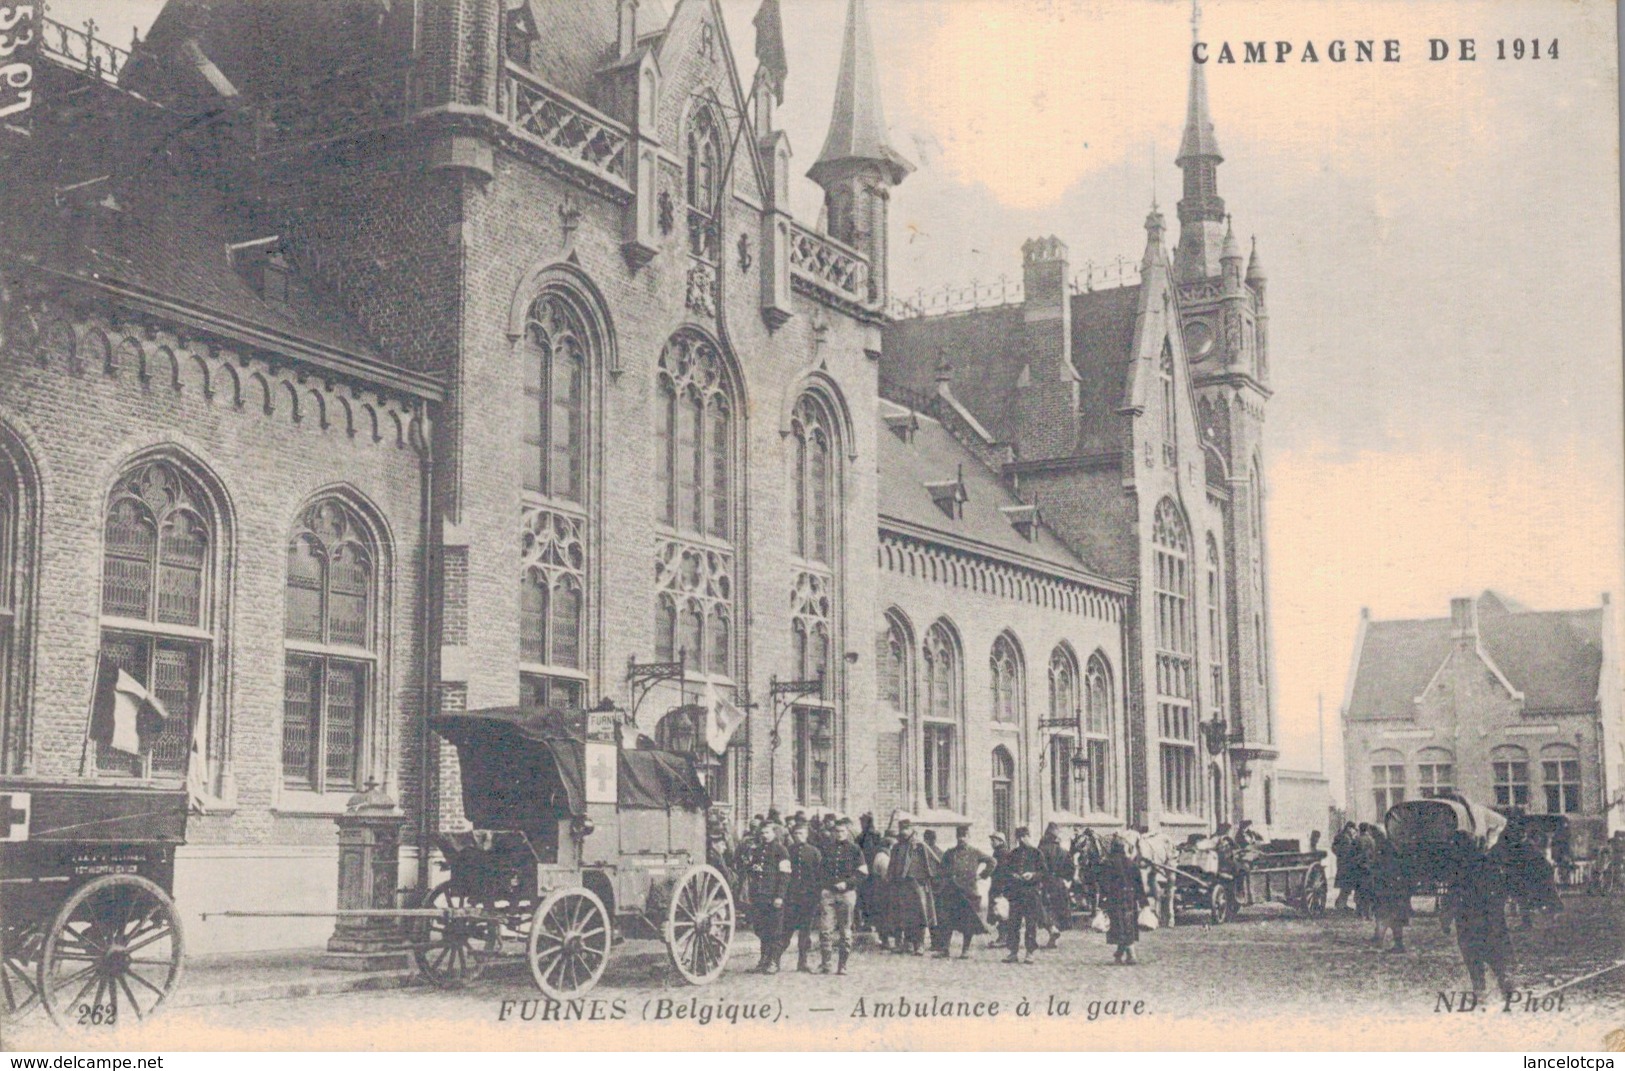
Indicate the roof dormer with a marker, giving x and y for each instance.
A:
(1024, 518)
(903, 425)
(950, 495)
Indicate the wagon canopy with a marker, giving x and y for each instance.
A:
(520, 770)
(1419, 825)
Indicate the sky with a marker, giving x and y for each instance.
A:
(1442, 240)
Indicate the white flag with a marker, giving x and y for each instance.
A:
(721, 719)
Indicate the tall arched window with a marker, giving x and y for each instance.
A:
(694, 551)
(158, 622)
(1065, 712)
(942, 718)
(1008, 690)
(1215, 628)
(330, 663)
(1165, 369)
(1176, 717)
(1004, 792)
(558, 355)
(703, 172)
(813, 479)
(1099, 729)
(16, 560)
(894, 653)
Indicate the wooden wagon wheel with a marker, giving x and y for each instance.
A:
(115, 947)
(700, 922)
(569, 942)
(1314, 892)
(1221, 902)
(20, 948)
(452, 950)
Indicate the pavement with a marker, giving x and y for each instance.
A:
(1268, 980)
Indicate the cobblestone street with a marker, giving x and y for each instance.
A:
(1321, 983)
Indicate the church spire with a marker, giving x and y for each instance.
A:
(858, 166)
(857, 126)
(1201, 209)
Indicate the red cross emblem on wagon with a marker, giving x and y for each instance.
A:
(14, 811)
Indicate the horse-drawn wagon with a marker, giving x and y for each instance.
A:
(1222, 880)
(1423, 833)
(88, 929)
(579, 843)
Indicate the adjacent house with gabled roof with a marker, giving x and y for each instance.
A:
(1509, 706)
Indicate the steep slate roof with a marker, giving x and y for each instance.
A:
(1553, 658)
(174, 248)
(936, 456)
(983, 349)
(1102, 341)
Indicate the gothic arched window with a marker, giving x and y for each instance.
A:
(1008, 691)
(941, 717)
(559, 357)
(1099, 728)
(554, 352)
(161, 540)
(330, 664)
(703, 186)
(813, 480)
(697, 443)
(1215, 626)
(16, 561)
(1064, 716)
(1176, 715)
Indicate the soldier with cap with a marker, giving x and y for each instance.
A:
(959, 900)
(844, 870)
(909, 878)
(1022, 869)
(767, 899)
(802, 894)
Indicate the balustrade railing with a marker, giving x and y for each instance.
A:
(83, 50)
(567, 128)
(829, 265)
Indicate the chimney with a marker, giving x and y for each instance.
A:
(1464, 619)
(1047, 396)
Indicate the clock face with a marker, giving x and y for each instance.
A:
(1199, 339)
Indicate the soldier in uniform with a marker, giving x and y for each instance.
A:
(910, 875)
(802, 895)
(1022, 869)
(959, 900)
(845, 869)
(767, 899)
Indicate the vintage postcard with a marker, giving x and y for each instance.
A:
(798, 524)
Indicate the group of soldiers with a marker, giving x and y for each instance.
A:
(823, 879)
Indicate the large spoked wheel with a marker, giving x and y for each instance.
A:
(700, 922)
(569, 942)
(1221, 903)
(1314, 892)
(452, 950)
(113, 951)
(20, 949)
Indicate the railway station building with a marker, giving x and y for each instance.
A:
(466, 354)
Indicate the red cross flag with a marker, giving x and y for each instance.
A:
(126, 716)
(721, 719)
(14, 810)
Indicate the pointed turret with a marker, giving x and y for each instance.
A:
(1154, 231)
(857, 126)
(1256, 277)
(858, 166)
(1201, 209)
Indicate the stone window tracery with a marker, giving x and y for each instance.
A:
(1099, 728)
(160, 541)
(558, 359)
(330, 665)
(1176, 715)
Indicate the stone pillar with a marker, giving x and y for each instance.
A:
(369, 873)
